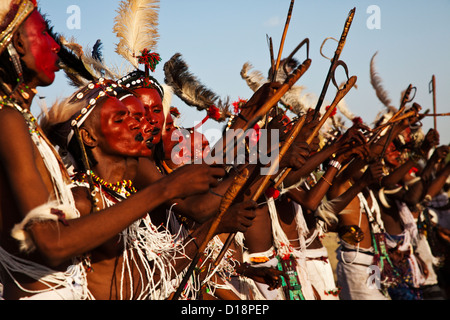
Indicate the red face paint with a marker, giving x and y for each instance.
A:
(392, 155)
(137, 112)
(154, 110)
(122, 133)
(41, 54)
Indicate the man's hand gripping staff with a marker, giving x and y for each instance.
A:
(225, 204)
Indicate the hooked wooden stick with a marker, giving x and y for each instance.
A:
(225, 204)
(377, 131)
(294, 132)
(289, 82)
(405, 99)
(398, 119)
(283, 39)
(334, 61)
(267, 179)
(339, 96)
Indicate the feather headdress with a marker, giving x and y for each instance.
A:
(93, 60)
(12, 14)
(189, 89)
(137, 28)
(71, 55)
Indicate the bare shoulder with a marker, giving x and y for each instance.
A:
(148, 173)
(13, 129)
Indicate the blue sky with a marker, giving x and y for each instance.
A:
(217, 37)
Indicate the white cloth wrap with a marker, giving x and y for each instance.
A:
(41, 213)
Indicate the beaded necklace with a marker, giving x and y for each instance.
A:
(122, 188)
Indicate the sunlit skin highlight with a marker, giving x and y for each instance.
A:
(41, 50)
(120, 129)
(137, 112)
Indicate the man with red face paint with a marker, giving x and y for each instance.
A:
(138, 112)
(152, 101)
(151, 94)
(113, 135)
(43, 240)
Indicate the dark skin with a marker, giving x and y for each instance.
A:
(106, 259)
(265, 275)
(347, 145)
(348, 200)
(353, 180)
(26, 184)
(348, 184)
(415, 192)
(259, 237)
(203, 207)
(399, 174)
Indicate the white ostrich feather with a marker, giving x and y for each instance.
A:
(137, 28)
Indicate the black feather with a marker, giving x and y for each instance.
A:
(186, 86)
(97, 53)
(68, 59)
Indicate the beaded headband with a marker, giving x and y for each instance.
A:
(24, 9)
(106, 88)
(138, 79)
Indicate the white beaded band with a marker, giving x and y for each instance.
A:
(335, 164)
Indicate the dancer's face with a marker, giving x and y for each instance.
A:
(40, 51)
(121, 132)
(154, 110)
(392, 155)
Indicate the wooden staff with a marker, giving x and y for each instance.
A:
(432, 89)
(335, 60)
(283, 39)
(294, 132)
(287, 85)
(406, 98)
(267, 179)
(226, 202)
(339, 96)
(435, 114)
(272, 59)
(398, 119)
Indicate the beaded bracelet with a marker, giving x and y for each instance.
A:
(335, 164)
